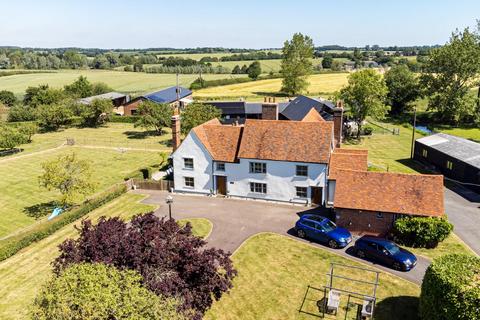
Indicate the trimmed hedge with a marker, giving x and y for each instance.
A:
(12, 245)
(123, 119)
(425, 232)
(451, 289)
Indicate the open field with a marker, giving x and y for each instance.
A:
(23, 201)
(114, 135)
(129, 82)
(319, 84)
(274, 272)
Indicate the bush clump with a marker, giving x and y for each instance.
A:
(425, 232)
(451, 289)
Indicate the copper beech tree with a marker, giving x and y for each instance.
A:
(172, 261)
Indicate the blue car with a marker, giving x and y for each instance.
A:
(323, 230)
(385, 252)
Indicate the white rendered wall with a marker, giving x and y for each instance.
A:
(191, 147)
(280, 179)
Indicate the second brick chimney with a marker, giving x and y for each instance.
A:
(338, 123)
(175, 129)
(269, 109)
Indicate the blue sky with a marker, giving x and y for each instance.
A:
(245, 23)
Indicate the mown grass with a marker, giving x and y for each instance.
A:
(114, 135)
(22, 275)
(201, 227)
(467, 133)
(22, 200)
(453, 244)
(129, 82)
(274, 272)
(319, 83)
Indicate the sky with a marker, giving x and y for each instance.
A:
(232, 24)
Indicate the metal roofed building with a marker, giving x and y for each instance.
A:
(298, 108)
(168, 95)
(117, 98)
(457, 158)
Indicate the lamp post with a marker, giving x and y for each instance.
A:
(169, 201)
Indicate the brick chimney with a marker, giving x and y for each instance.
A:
(338, 123)
(269, 109)
(175, 129)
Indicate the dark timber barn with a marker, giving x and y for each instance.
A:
(456, 158)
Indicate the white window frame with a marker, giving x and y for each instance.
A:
(185, 163)
(257, 167)
(185, 182)
(255, 186)
(306, 192)
(306, 170)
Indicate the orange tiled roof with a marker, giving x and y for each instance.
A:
(313, 116)
(287, 140)
(413, 194)
(349, 161)
(220, 141)
(351, 151)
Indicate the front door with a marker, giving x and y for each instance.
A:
(317, 196)
(221, 182)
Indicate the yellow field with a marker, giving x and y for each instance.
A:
(319, 84)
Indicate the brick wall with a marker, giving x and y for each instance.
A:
(270, 111)
(364, 222)
(127, 109)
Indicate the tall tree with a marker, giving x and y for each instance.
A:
(403, 88)
(51, 117)
(254, 70)
(450, 73)
(364, 96)
(42, 95)
(172, 261)
(197, 113)
(296, 63)
(327, 61)
(98, 291)
(154, 116)
(69, 175)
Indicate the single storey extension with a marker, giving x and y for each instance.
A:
(168, 96)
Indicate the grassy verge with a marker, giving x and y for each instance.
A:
(453, 244)
(23, 202)
(22, 275)
(201, 227)
(274, 272)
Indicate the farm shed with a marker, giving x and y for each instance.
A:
(457, 158)
(168, 95)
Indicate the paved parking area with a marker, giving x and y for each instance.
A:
(235, 220)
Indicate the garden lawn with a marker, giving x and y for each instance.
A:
(274, 272)
(22, 198)
(201, 227)
(319, 84)
(114, 135)
(453, 244)
(128, 82)
(22, 275)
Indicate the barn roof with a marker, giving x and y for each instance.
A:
(167, 95)
(456, 147)
(301, 105)
(105, 96)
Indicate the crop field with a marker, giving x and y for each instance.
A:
(319, 84)
(274, 272)
(128, 82)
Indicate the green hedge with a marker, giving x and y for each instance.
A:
(451, 289)
(424, 232)
(12, 245)
(123, 119)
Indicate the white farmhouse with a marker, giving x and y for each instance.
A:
(265, 159)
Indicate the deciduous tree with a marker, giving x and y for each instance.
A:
(296, 63)
(80, 88)
(7, 98)
(327, 61)
(254, 70)
(98, 291)
(403, 88)
(52, 117)
(71, 176)
(42, 95)
(450, 73)
(96, 113)
(172, 261)
(197, 113)
(365, 95)
(11, 137)
(154, 115)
